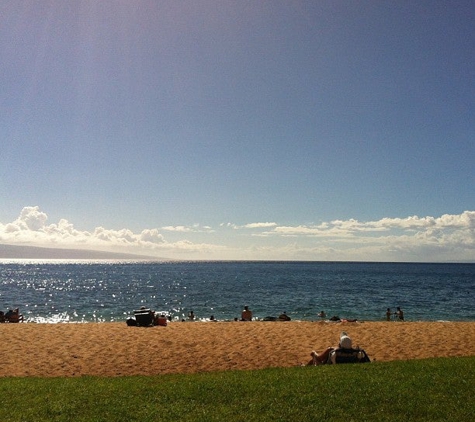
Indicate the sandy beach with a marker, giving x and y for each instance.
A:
(114, 349)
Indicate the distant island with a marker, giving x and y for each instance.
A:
(34, 252)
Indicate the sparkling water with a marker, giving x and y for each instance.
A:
(92, 291)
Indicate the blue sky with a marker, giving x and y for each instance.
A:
(328, 130)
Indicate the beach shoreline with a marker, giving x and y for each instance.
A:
(114, 349)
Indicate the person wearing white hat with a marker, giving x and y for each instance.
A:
(345, 345)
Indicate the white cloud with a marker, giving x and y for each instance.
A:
(249, 225)
(151, 236)
(229, 226)
(195, 228)
(304, 231)
(30, 228)
(259, 225)
(181, 229)
(352, 228)
(444, 238)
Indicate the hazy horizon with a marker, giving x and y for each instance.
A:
(15, 253)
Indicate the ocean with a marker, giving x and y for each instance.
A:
(106, 291)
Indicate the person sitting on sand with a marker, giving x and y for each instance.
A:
(399, 314)
(160, 320)
(246, 314)
(320, 358)
(14, 316)
(344, 349)
(284, 317)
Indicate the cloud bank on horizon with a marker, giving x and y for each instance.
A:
(419, 239)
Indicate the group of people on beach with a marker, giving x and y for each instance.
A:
(192, 317)
(398, 315)
(146, 317)
(247, 315)
(336, 318)
(12, 315)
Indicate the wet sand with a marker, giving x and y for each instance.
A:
(114, 349)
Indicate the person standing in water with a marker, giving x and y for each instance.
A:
(388, 314)
(399, 314)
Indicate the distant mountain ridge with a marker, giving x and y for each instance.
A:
(35, 252)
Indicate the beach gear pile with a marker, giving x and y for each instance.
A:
(144, 317)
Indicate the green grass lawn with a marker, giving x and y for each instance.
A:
(416, 390)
